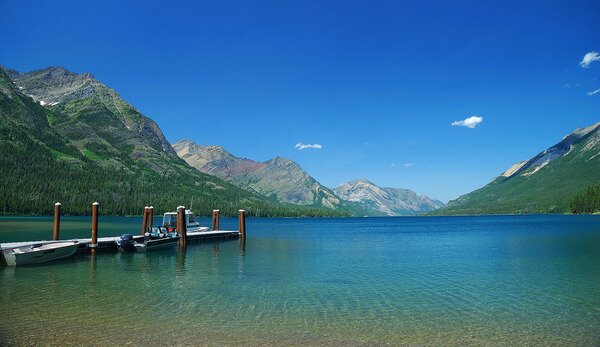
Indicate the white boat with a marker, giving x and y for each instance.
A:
(170, 222)
(40, 253)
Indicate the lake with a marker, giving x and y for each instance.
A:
(490, 280)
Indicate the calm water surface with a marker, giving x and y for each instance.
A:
(509, 280)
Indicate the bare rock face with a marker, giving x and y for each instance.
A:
(279, 178)
(533, 165)
(388, 201)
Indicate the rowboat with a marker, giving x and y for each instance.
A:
(39, 253)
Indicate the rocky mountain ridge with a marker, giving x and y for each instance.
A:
(386, 200)
(99, 120)
(279, 178)
(543, 184)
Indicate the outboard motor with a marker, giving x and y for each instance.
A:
(125, 243)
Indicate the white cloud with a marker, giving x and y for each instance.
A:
(300, 146)
(393, 165)
(593, 92)
(589, 58)
(407, 165)
(470, 122)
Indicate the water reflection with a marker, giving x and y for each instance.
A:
(242, 246)
(181, 255)
(215, 250)
(92, 270)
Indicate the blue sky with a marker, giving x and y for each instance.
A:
(376, 83)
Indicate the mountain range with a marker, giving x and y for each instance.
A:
(284, 180)
(67, 137)
(387, 201)
(543, 184)
(279, 178)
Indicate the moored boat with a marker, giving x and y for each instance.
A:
(170, 222)
(39, 253)
(158, 238)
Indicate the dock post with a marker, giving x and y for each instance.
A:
(56, 231)
(145, 220)
(181, 226)
(150, 217)
(242, 223)
(94, 242)
(215, 219)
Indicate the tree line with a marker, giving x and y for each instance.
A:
(586, 201)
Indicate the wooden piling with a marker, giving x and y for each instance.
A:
(145, 220)
(242, 245)
(242, 223)
(151, 217)
(181, 226)
(215, 219)
(94, 242)
(56, 229)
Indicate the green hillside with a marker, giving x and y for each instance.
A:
(543, 184)
(86, 144)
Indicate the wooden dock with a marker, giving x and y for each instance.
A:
(95, 243)
(109, 243)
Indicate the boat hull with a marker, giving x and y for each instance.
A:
(149, 245)
(43, 253)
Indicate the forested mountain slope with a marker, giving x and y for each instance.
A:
(545, 183)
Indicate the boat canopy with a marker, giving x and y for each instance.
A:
(170, 218)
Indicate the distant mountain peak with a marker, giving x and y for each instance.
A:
(279, 177)
(184, 142)
(188, 147)
(361, 181)
(56, 84)
(386, 200)
(97, 113)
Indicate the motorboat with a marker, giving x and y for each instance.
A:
(40, 252)
(170, 222)
(159, 237)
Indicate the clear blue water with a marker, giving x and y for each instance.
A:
(493, 280)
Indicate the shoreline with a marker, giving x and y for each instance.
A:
(321, 217)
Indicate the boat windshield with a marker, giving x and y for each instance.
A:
(191, 218)
(170, 220)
